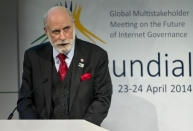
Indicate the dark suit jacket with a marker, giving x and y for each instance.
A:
(89, 99)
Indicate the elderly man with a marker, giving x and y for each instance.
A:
(66, 78)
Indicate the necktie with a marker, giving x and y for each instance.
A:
(63, 67)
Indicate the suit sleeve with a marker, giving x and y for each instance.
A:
(98, 109)
(25, 104)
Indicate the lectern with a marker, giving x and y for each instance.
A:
(48, 125)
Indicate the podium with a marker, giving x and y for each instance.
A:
(48, 125)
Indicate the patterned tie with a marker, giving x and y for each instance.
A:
(63, 68)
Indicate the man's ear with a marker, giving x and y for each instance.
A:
(45, 30)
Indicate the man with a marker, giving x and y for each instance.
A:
(66, 78)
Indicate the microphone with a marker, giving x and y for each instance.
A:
(23, 99)
(12, 114)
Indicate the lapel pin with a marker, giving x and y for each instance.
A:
(81, 65)
(81, 60)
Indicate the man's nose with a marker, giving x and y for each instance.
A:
(62, 35)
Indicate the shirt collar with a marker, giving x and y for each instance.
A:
(69, 55)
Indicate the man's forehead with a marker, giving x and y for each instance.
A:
(56, 27)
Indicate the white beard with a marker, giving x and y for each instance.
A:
(63, 46)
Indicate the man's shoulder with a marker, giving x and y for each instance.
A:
(89, 47)
(40, 47)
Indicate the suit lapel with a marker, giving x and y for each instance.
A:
(45, 61)
(76, 72)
